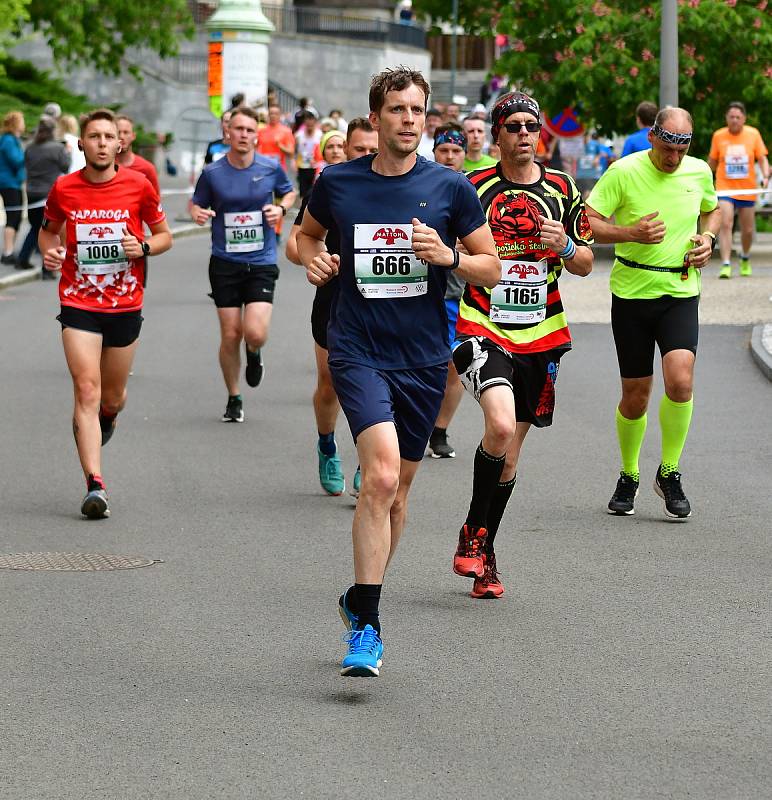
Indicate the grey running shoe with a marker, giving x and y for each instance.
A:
(94, 505)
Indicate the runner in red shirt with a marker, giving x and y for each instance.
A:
(127, 157)
(276, 139)
(100, 210)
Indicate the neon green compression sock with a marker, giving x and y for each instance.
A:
(674, 420)
(630, 433)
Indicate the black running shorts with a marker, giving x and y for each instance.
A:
(672, 323)
(320, 311)
(482, 364)
(117, 330)
(236, 284)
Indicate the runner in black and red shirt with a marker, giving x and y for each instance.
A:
(102, 210)
(509, 340)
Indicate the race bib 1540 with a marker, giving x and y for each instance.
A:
(243, 231)
(385, 266)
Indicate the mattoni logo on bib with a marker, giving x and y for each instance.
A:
(100, 232)
(241, 218)
(523, 270)
(389, 235)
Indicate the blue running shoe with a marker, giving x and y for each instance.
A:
(365, 653)
(356, 484)
(346, 614)
(331, 474)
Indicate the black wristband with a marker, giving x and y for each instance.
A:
(456, 260)
(284, 210)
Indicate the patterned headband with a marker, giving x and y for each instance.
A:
(670, 137)
(510, 104)
(450, 137)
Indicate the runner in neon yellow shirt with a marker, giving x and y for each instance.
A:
(656, 199)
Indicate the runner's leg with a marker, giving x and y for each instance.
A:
(257, 321)
(115, 367)
(326, 405)
(747, 218)
(725, 236)
(231, 334)
(83, 352)
(398, 513)
(505, 484)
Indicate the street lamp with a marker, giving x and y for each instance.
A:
(668, 54)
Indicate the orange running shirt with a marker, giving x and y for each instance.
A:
(736, 155)
(268, 139)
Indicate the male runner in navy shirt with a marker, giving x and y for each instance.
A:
(399, 216)
(237, 193)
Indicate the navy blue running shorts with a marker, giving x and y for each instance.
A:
(410, 399)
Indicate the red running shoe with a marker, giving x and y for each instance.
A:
(468, 560)
(489, 584)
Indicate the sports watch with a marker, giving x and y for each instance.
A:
(145, 249)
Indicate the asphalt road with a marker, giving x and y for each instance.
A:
(629, 658)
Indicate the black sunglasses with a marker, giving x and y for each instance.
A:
(514, 127)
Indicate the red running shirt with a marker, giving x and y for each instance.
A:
(145, 167)
(96, 274)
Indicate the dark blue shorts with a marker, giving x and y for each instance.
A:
(451, 306)
(738, 203)
(410, 399)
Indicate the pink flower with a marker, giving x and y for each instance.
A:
(757, 22)
(619, 79)
(519, 45)
(768, 71)
(700, 95)
(647, 55)
(634, 71)
(580, 28)
(587, 61)
(690, 71)
(619, 43)
(558, 56)
(694, 3)
(731, 3)
(690, 50)
(762, 5)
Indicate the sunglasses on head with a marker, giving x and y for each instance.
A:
(514, 127)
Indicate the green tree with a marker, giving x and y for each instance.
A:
(603, 57)
(99, 33)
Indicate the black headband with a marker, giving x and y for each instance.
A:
(510, 104)
(670, 137)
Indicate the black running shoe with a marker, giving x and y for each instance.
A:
(9, 259)
(234, 411)
(438, 445)
(669, 489)
(254, 372)
(108, 427)
(622, 500)
(94, 505)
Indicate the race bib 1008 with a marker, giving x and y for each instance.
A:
(99, 248)
(521, 295)
(243, 231)
(385, 266)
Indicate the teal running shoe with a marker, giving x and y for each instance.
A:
(346, 614)
(356, 484)
(331, 473)
(365, 653)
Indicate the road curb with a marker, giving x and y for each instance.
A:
(761, 346)
(27, 275)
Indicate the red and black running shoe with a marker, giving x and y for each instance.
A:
(489, 584)
(468, 560)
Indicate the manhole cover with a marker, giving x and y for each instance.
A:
(74, 562)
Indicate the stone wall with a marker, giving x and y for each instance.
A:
(173, 95)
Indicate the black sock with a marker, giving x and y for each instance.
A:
(363, 599)
(487, 471)
(496, 510)
(439, 432)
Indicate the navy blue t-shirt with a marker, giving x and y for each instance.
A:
(390, 310)
(237, 197)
